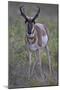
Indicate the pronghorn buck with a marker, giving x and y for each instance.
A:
(37, 38)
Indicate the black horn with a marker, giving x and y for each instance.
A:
(25, 17)
(36, 15)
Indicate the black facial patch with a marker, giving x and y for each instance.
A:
(30, 26)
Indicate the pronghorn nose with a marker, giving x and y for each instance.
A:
(29, 32)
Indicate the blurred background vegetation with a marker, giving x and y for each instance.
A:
(18, 59)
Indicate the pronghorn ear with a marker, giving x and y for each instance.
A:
(33, 21)
(26, 21)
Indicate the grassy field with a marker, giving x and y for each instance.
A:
(18, 59)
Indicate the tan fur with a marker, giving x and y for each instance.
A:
(40, 33)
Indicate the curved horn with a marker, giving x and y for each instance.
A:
(25, 17)
(36, 15)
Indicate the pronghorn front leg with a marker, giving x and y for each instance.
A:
(40, 63)
(38, 59)
(29, 63)
(49, 59)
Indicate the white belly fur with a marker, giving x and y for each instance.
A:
(35, 45)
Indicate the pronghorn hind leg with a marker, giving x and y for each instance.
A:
(29, 64)
(49, 58)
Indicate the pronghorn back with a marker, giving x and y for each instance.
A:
(42, 34)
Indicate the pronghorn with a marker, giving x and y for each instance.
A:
(37, 38)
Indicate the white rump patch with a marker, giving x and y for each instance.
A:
(44, 40)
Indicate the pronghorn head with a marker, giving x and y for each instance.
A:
(29, 20)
